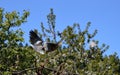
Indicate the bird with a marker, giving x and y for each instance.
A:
(93, 44)
(36, 42)
(40, 46)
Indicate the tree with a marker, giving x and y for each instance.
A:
(75, 57)
(13, 55)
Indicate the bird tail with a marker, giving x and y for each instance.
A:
(60, 42)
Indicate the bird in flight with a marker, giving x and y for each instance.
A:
(40, 46)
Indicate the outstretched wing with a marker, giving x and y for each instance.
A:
(52, 46)
(36, 42)
(34, 38)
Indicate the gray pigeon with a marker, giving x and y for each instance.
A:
(40, 46)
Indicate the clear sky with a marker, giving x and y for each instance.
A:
(104, 15)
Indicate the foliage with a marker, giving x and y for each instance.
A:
(13, 55)
(75, 57)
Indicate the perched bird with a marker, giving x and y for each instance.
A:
(40, 46)
(93, 44)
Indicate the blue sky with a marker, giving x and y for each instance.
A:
(103, 14)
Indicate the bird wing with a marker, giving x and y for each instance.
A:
(34, 38)
(36, 42)
(50, 46)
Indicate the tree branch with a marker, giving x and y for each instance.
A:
(42, 67)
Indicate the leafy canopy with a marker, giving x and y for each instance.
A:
(76, 56)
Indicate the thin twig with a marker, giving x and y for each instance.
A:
(19, 72)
